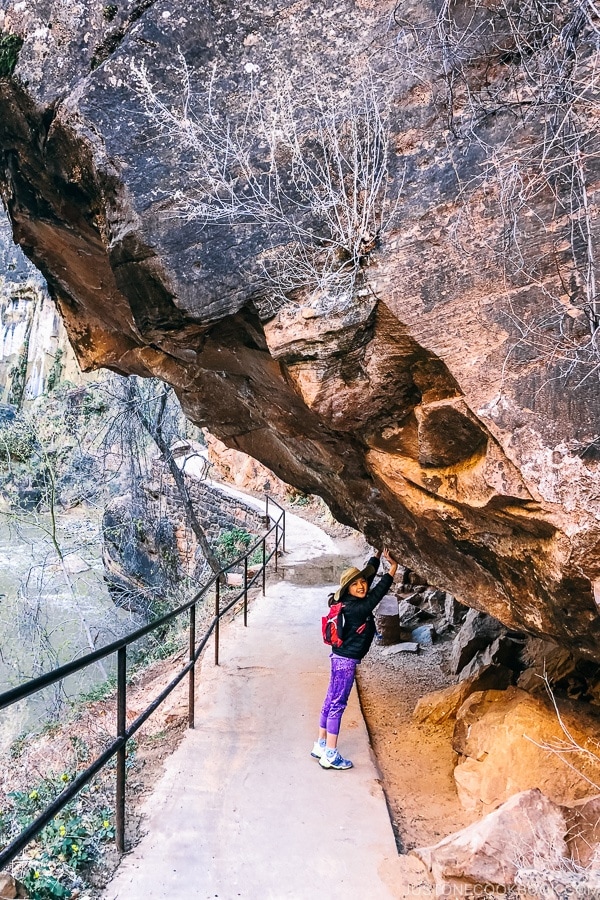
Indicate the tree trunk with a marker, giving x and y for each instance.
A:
(156, 433)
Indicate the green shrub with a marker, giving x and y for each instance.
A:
(17, 441)
(160, 644)
(100, 691)
(18, 376)
(94, 402)
(298, 498)
(55, 371)
(10, 47)
(234, 542)
(67, 845)
(16, 749)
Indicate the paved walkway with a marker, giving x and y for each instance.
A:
(242, 810)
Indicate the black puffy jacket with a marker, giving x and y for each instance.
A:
(359, 613)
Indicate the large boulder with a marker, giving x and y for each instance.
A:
(545, 661)
(141, 564)
(527, 830)
(477, 632)
(454, 612)
(439, 706)
(509, 741)
(504, 651)
(430, 403)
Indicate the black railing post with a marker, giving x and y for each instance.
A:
(191, 682)
(217, 616)
(264, 564)
(121, 752)
(245, 591)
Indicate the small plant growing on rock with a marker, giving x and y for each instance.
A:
(518, 85)
(55, 371)
(298, 498)
(308, 169)
(10, 47)
(17, 442)
(18, 377)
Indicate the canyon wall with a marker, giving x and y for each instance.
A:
(35, 353)
(441, 404)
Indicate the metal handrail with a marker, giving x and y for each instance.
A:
(119, 746)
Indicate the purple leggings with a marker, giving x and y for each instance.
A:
(340, 685)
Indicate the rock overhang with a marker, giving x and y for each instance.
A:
(416, 410)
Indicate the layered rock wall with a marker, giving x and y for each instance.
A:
(217, 511)
(434, 408)
(34, 350)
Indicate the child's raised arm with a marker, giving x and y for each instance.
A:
(390, 560)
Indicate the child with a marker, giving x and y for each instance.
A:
(359, 630)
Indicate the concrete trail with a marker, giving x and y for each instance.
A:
(242, 810)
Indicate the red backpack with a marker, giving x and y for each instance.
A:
(332, 625)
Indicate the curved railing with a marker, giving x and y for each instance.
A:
(125, 732)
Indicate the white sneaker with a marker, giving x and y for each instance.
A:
(317, 750)
(334, 762)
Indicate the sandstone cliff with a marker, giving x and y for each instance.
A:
(35, 353)
(443, 403)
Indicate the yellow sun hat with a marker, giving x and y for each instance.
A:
(350, 575)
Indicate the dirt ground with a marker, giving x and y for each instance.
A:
(415, 760)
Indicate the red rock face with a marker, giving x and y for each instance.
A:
(425, 408)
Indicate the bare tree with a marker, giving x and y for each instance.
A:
(151, 413)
